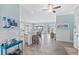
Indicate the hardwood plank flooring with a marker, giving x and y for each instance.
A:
(49, 46)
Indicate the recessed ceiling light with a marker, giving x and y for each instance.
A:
(32, 12)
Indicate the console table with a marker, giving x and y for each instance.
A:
(5, 47)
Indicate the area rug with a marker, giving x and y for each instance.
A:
(71, 51)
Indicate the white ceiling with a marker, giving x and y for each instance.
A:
(34, 12)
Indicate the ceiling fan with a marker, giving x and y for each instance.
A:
(52, 8)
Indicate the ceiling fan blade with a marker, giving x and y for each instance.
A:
(57, 7)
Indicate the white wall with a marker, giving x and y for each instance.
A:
(65, 34)
(76, 29)
(8, 11)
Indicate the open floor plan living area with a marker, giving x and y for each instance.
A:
(39, 29)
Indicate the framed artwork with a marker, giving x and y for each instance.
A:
(63, 26)
(9, 22)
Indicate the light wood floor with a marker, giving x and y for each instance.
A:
(49, 46)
